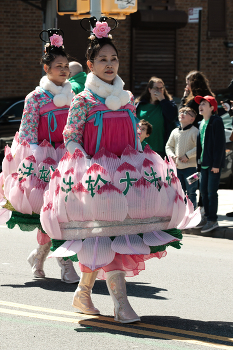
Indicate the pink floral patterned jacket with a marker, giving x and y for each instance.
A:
(80, 108)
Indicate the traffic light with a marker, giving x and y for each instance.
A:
(118, 8)
(81, 8)
(73, 7)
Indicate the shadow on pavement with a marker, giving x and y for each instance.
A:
(165, 328)
(136, 289)
(52, 284)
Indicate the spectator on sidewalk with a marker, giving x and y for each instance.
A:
(210, 159)
(197, 84)
(228, 106)
(77, 77)
(181, 146)
(229, 91)
(146, 130)
(157, 107)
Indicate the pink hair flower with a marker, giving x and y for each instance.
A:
(101, 30)
(56, 40)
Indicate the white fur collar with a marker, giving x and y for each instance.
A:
(62, 94)
(114, 94)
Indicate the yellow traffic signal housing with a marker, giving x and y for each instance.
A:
(118, 7)
(73, 7)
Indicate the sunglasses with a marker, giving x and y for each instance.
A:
(186, 112)
(157, 89)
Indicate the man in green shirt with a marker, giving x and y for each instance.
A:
(77, 77)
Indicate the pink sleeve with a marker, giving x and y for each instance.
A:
(29, 124)
(75, 125)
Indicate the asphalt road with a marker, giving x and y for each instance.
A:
(184, 300)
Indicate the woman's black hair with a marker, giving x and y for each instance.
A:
(52, 51)
(50, 56)
(96, 45)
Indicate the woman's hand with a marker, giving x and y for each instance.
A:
(88, 161)
(159, 95)
(186, 92)
(215, 170)
(227, 105)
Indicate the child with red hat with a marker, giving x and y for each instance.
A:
(210, 159)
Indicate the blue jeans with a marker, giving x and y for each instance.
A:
(209, 191)
(190, 190)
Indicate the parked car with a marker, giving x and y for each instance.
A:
(11, 111)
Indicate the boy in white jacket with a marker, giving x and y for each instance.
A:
(181, 146)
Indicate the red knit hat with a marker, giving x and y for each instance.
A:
(210, 99)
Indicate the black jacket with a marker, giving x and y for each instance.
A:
(214, 144)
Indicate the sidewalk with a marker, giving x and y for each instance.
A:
(225, 229)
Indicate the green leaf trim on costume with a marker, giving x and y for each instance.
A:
(174, 232)
(26, 222)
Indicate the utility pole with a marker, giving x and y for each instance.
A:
(96, 8)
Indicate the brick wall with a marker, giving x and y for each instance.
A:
(21, 48)
(215, 57)
(122, 39)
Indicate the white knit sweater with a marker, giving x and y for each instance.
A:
(183, 142)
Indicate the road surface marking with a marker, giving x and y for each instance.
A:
(80, 319)
(104, 318)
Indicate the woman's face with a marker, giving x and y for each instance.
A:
(106, 64)
(157, 91)
(59, 71)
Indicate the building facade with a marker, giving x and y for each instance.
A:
(21, 48)
(157, 40)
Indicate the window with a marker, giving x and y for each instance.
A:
(216, 18)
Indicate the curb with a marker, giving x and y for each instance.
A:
(219, 232)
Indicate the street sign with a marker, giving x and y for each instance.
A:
(123, 4)
(118, 7)
(193, 14)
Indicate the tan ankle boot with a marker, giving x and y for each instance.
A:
(82, 296)
(68, 273)
(36, 259)
(117, 289)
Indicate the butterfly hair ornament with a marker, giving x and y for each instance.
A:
(100, 29)
(54, 44)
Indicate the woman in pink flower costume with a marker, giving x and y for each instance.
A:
(115, 204)
(44, 118)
